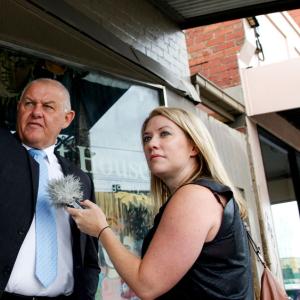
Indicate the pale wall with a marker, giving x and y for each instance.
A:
(279, 36)
(272, 84)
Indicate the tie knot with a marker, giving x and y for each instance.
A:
(36, 153)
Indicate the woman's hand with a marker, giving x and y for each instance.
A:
(90, 220)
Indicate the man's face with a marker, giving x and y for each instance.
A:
(41, 115)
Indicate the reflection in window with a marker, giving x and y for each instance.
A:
(121, 178)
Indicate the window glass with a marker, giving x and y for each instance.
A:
(113, 155)
(104, 140)
(286, 222)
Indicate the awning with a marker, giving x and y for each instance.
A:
(193, 13)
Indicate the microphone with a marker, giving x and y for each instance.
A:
(65, 191)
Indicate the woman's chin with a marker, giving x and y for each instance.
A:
(161, 174)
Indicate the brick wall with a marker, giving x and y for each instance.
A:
(141, 25)
(213, 51)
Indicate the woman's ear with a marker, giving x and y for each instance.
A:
(194, 151)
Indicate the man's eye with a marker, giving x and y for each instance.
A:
(28, 104)
(48, 107)
(146, 139)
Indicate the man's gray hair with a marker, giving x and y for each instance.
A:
(67, 99)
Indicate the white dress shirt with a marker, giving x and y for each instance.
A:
(22, 279)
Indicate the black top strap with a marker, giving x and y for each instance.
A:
(216, 188)
(218, 199)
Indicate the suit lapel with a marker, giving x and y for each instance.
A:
(34, 166)
(67, 169)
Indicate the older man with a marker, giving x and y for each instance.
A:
(43, 255)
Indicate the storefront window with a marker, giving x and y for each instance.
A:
(121, 176)
(104, 140)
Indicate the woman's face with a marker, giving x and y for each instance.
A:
(167, 149)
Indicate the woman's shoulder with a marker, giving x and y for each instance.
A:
(192, 195)
(192, 189)
(215, 187)
(196, 204)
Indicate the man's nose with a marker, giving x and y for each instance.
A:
(37, 110)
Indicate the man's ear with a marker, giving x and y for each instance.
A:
(69, 118)
(18, 105)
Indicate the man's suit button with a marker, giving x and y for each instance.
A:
(21, 232)
(6, 270)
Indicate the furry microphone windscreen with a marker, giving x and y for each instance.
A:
(65, 191)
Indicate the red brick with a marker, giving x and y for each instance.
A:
(213, 51)
(295, 14)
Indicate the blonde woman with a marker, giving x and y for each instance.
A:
(197, 248)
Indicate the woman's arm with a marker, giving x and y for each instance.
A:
(192, 217)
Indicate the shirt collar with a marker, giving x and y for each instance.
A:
(49, 152)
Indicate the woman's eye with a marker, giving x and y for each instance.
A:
(146, 139)
(165, 133)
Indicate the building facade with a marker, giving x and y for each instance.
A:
(119, 60)
(254, 62)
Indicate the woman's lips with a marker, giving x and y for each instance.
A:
(155, 156)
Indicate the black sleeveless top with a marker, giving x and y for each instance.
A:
(223, 268)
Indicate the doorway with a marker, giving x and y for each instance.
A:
(282, 169)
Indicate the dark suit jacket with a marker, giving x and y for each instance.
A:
(18, 192)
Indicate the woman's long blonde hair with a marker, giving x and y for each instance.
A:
(210, 165)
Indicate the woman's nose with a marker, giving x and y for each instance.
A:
(154, 142)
